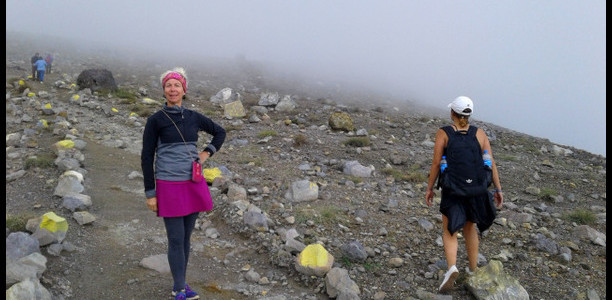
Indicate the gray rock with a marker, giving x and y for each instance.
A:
(354, 251)
(157, 262)
(15, 175)
(31, 267)
(76, 202)
(303, 190)
(338, 282)
(68, 185)
(20, 244)
(545, 244)
(268, 99)
(256, 220)
(83, 217)
(28, 289)
(587, 233)
(354, 168)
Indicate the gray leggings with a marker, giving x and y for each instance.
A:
(179, 231)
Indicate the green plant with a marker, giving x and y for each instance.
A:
(371, 266)
(266, 133)
(299, 140)
(547, 194)
(17, 222)
(414, 176)
(329, 213)
(581, 216)
(141, 109)
(355, 179)
(411, 176)
(128, 97)
(305, 214)
(326, 214)
(346, 261)
(357, 142)
(43, 160)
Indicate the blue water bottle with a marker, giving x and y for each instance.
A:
(443, 164)
(486, 157)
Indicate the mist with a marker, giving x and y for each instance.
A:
(533, 67)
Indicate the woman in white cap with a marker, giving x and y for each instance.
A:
(458, 212)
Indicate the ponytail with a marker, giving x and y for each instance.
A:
(463, 120)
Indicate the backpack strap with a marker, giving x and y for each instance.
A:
(449, 131)
(472, 130)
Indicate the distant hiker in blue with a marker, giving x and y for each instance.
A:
(40, 65)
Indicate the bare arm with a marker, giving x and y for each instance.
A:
(486, 145)
(439, 144)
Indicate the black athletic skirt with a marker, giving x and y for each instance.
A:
(480, 210)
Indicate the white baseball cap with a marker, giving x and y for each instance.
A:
(462, 105)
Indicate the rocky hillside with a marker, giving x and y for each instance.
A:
(368, 210)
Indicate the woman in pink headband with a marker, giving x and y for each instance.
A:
(174, 187)
(174, 84)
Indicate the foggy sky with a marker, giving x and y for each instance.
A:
(536, 67)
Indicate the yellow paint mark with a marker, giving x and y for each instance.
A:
(313, 255)
(53, 222)
(66, 143)
(211, 174)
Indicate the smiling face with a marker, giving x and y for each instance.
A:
(174, 92)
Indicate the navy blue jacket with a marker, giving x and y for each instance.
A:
(163, 146)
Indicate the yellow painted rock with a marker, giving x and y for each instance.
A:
(133, 114)
(53, 222)
(314, 260)
(48, 106)
(31, 94)
(64, 144)
(114, 110)
(76, 97)
(21, 82)
(211, 174)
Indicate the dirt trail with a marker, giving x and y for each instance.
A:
(106, 264)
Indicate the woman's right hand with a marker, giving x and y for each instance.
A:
(152, 203)
(429, 195)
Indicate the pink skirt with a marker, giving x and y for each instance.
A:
(181, 198)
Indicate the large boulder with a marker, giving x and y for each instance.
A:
(491, 282)
(96, 79)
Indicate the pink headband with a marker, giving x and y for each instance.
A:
(177, 76)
